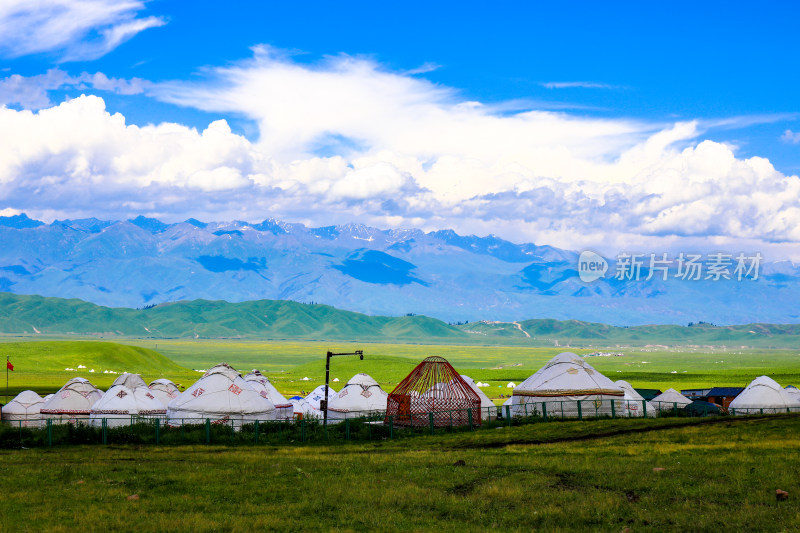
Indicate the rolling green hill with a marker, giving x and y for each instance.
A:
(579, 333)
(23, 314)
(287, 320)
(41, 365)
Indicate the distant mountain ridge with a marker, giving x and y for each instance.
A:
(145, 261)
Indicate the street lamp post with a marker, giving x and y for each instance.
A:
(324, 403)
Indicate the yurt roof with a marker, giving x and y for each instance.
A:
(77, 396)
(261, 384)
(671, 396)
(128, 395)
(221, 391)
(630, 392)
(365, 380)
(362, 393)
(567, 374)
(764, 392)
(130, 381)
(26, 402)
(163, 384)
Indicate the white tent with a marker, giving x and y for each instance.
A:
(24, 409)
(669, 399)
(764, 395)
(362, 396)
(262, 385)
(793, 391)
(488, 408)
(164, 390)
(318, 394)
(567, 386)
(127, 398)
(633, 404)
(221, 395)
(72, 402)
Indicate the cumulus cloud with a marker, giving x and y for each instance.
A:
(74, 29)
(408, 153)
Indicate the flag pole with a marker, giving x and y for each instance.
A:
(6, 379)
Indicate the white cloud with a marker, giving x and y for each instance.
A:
(577, 84)
(791, 137)
(410, 153)
(74, 29)
(33, 92)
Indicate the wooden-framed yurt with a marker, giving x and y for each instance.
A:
(433, 393)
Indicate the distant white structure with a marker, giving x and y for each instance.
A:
(669, 400)
(24, 409)
(303, 409)
(764, 395)
(72, 403)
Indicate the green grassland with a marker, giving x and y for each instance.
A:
(40, 366)
(604, 475)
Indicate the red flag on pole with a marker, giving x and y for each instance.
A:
(9, 365)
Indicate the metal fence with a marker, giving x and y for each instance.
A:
(353, 427)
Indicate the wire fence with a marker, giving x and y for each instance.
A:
(353, 426)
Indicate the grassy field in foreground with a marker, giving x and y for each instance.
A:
(287, 363)
(660, 475)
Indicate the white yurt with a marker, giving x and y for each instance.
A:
(632, 404)
(669, 400)
(128, 400)
(164, 390)
(262, 385)
(24, 410)
(764, 395)
(488, 408)
(72, 402)
(793, 391)
(568, 386)
(303, 409)
(221, 395)
(317, 395)
(362, 396)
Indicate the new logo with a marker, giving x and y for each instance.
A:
(591, 266)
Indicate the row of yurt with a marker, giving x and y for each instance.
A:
(129, 396)
(221, 395)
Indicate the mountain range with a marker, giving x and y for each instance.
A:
(143, 262)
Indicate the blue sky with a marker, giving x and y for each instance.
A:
(630, 124)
